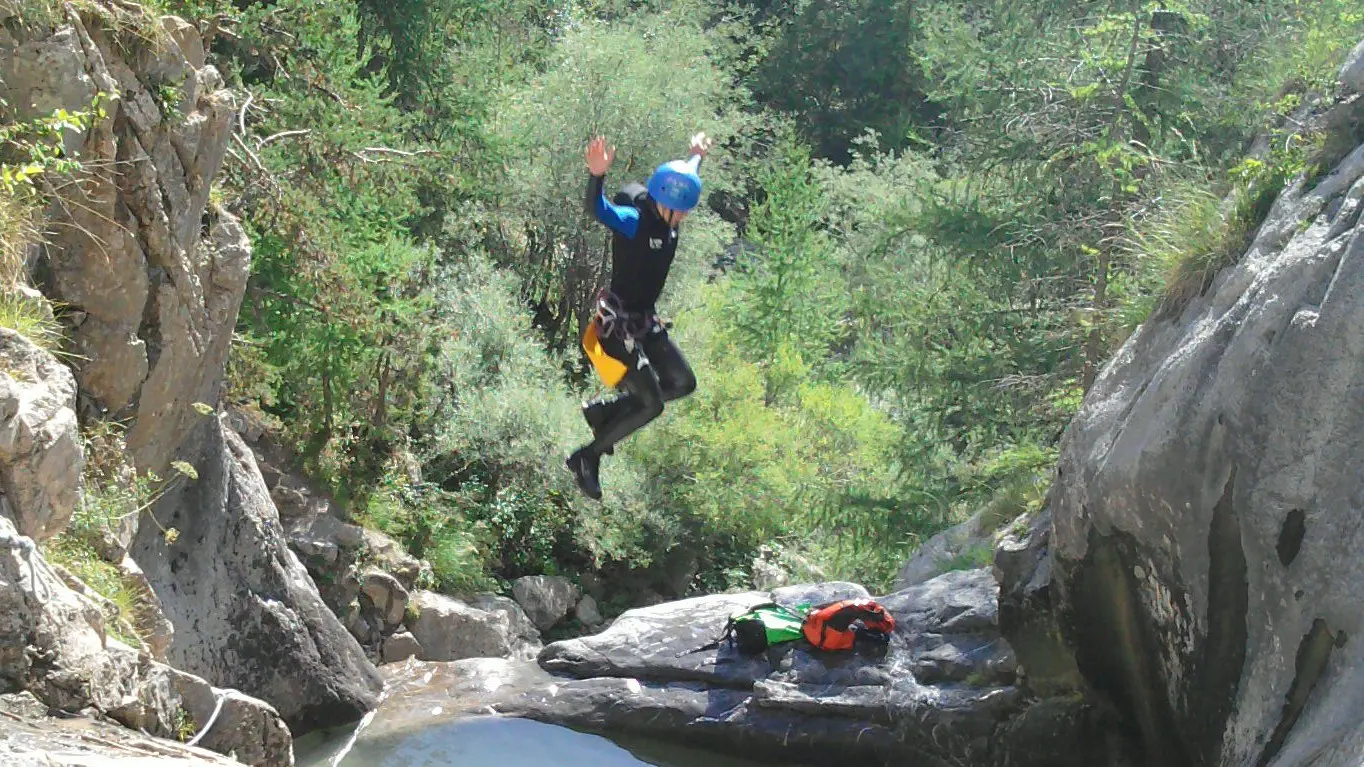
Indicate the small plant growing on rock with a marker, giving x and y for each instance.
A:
(979, 555)
(168, 96)
(185, 726)
(32, 153)
(183, 470)
(93, 545)
(411, 614)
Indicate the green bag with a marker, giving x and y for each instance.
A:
(765, 625)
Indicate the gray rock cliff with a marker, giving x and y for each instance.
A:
(1204, 539)
(249, 617)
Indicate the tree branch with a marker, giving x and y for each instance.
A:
(282, 135)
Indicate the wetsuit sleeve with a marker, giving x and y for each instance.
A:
(619, 218)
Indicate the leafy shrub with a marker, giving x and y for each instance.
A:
(428, 524)
(32, 153)
(500, 423)
(765, 451)
(1192, 233)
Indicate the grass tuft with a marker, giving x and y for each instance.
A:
(1182, 245)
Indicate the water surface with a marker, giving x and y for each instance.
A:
(501, 742)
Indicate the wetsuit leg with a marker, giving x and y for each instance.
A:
(641, 402)
(659, 373)
(601, 411)
(674, 374)
(675, 378)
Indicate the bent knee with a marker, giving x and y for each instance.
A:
(652, 408)
(681, 386)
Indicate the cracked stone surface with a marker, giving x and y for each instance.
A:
(1205, 521)
(152, 276)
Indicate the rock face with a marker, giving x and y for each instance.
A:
(258, 623)
(545, 598)
(32, 739)
(153, 284)
(332, 551)
(942, 693)
(1352, 71)
(40, 453)
(490, 627)
(53, 644)
(152, 279)
(932, 557)
(1205, 537)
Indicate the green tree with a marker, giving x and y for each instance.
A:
(648, 85)
(789, 290)
(841, 67)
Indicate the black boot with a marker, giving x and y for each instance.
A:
(597, 414)
(584, 464)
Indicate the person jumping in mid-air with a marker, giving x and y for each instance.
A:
(647, 367)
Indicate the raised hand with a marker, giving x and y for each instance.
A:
(599, 156)
(700, 144)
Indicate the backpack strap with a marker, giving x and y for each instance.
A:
(632, 194)
(728, 632)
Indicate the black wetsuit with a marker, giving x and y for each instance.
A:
(642, 249)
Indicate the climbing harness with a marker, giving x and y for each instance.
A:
(612, 321)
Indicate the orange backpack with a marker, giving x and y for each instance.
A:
(838, 625)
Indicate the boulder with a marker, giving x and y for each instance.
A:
(245, 728)
(545, 598)
(35, 740)
(1351, 75)
(258, 622)
(229, 722)
(332, 551)
(937, 553)
(399, 647)
(523, 637)
(587, 613)
(818, 593)
(451, 629)
(1205, 535)
(23, 704)
(389, 555)
(385, 597)
(664, 642)
(53, 644)
(940, 694)
(40, 450)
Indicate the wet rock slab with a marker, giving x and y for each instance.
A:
(645, 675)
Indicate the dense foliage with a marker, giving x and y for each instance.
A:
(930, 222)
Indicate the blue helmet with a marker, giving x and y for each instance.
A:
(675, 185)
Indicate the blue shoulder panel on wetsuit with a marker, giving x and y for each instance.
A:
(621, 218)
